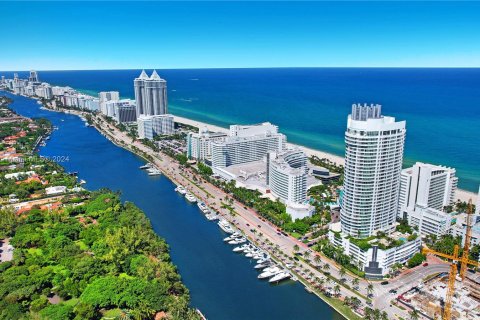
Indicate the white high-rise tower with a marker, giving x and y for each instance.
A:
(373, 162)
(150, 94)
(139, 86)
(33, 76)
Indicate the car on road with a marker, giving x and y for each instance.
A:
(384, 283)
(425, 264)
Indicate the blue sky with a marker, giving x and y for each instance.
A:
(123, 35)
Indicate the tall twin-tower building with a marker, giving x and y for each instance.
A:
(150, 94)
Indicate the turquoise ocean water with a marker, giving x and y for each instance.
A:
(310, 105)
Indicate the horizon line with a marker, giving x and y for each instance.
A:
(209, 68)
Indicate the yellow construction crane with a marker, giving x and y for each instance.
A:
(464, 262)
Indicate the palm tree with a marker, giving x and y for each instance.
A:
(370, 289)
(355, 302)
(355, 282)
(326, 267)
(317, 259)
(296, 248)
(307, 255)
(336, 289)
(413, 315)
(384, 315)
(321, 282)
(342, 272)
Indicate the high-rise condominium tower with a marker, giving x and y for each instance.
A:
(373, 161)
(150, 94)
(33, 76)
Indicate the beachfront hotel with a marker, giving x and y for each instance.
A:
(150, 94)
(247, 144)
(373, 161)
(287, 178)
(426, 185)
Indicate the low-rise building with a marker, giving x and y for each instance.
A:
(372, 256)
(429, 220)
(55, 190)
(459, 229)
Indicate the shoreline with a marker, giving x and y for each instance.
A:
(462, 195)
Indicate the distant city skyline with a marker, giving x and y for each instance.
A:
(127, 35)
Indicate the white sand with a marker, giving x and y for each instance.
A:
(463, 195)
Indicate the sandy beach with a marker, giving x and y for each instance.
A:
(462, 195)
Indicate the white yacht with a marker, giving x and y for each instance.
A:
(190, 198)
(203, 207)
(262, 265)
(181, 190)
(252, 253)
(269, 272)
(233, 236)
(225, 226)
(259, 256)
(154, 172)
(146, 166)
(264, 260)
(280, 276)
(211, 216)
(240, 248)
(238, 241)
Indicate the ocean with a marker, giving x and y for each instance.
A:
(310, 105)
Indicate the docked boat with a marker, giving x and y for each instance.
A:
(211, 216)
(154, 172)
(238, 241)
(259, 256)
(262, 265)
(240, 248)
(225, 226)
(181, 190)
(203, 207)
(190, 198)
(280, 276)
(269, 272)
(264, 260)
(233, 236)
(146, 166)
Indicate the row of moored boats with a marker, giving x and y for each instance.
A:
(267, 267)
(151, 169)
(264, 264)
(209, 213)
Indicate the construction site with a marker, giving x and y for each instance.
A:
(429, 297)
(452, 295)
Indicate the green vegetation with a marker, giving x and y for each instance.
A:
(416, 260)
(204, 170)
(403, 227)
(327, 164)
(337, 254)
(98, 257)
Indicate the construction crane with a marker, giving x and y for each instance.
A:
(464, 262)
